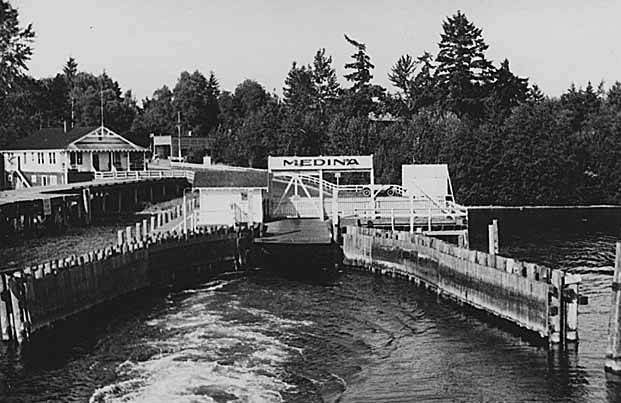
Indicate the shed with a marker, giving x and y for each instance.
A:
(230, 195)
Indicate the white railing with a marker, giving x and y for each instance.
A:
(165, 173)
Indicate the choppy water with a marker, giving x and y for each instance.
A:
(259, 337)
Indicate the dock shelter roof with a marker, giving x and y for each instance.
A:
(230, 178)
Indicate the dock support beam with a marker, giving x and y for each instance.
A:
(492, 230)
(613, 353)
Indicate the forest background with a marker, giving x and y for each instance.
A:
(506, 143)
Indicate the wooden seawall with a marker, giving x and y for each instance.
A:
(38, 296)
(533, 297)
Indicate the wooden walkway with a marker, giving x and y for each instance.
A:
(296, 231)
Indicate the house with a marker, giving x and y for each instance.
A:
(55, 156)
(230, 196)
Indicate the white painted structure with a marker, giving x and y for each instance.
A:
(230, 206)
(53, 156)
(427, 181)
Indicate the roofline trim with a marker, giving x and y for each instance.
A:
(139, 148)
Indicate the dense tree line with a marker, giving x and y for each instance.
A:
(504, 140)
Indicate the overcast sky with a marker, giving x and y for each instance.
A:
(145, 44)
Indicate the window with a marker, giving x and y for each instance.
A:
(52, 158)
(75, 158)
(40, 158)
(44, 180)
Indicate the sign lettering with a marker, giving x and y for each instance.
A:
(360, 162)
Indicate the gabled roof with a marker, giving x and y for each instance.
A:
(50, 139)
(93, 138)
(220, 178)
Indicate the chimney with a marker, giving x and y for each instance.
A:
(65, 126)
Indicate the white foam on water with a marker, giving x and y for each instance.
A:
(202, 357)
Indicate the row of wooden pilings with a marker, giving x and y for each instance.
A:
(180, 217)
(534, 297)
(40, 295)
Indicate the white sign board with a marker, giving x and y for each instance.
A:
(423, 180)
(328, 163)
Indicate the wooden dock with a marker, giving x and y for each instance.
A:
(39, 295)
(532, 297)
(297, 231)
(298, 248)
(27, 213)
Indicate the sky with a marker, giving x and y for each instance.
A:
(148, 43)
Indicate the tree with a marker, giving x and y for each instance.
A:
(401, 74)
(196, 100)
(507, 91)
(249, 97)
(157, 115)
(15, 46)
(299, 92)
(463, 73)
(361, 75)
(324, 79)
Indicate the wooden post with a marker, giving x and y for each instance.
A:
(119, 237)
(152, 219)
(613, 354)
(335, 214)
(411, 214)
(392, 219)
(185, 214)
(138, 233)
(570, 301)
(492, 231)
(429, 219)
(17, 316)
(145, 229)
(128, 234)
(554, 314)
(5, 320)
(321, 194)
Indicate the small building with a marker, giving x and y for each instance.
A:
(230, 196)
(180, 148)
(55, 156)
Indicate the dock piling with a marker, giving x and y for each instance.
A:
(492, 230)
(613, 354)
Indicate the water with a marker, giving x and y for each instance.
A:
(259, 337)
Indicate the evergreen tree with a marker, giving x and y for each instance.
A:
(423, 88)
(463, 73)
(299, 92)
(402, 73)
(324, 80)
(361, 75)
(507, 91)
(15, 46)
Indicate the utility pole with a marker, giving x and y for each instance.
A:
(179, 134)
(102, 106)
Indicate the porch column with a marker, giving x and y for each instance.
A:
(128, 164)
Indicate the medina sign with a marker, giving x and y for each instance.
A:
(321, 163)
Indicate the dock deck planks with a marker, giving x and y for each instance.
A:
(297, 231)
